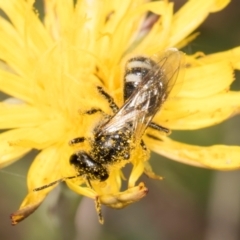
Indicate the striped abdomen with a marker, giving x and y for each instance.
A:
(136, 69)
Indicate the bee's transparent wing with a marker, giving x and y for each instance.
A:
(172, 63)
(148, 97)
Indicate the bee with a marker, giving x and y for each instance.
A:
(147, 84)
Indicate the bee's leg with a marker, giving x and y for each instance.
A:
(143, 145)
(99, 210)
(94, 110)
(110, 100)
(76, 141)
(158, 127)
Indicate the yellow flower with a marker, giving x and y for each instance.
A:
(52, 70)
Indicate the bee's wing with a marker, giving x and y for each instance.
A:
(148, 97)
(172, 64)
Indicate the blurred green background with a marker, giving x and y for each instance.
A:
(189, 204)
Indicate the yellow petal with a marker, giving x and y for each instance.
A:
(187, 40)
(149, 172)
(114, 200)
(112, 185)
(206, 80)
(123, 199)
(19, 115)
(9, 153)
(40, 137)
(126, 29)
(44, 170)
(16, 143)
(58, 17)
(232, 55)
(219, 5)
(157, 38)
(195, 113)
(190, 16)
(9, 42)
(16, 86)
(138, 161)
(219, 157)
(29, 205)
(85, 191)
(27, 24)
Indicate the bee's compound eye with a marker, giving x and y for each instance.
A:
(103, 176)
(85, 165)
(74, 160)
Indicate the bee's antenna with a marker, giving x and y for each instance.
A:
(53, 183)
(97, 201)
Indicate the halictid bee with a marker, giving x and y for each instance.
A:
(147, 84)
